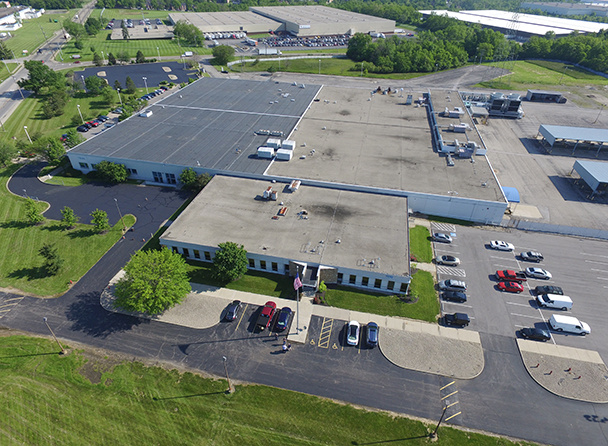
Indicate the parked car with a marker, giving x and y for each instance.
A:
(102, 118)
(558, 301)
(501, 246)
(447, 260)
(536, 334)
(64, 137)
(548, 289)
(266, 315)
(508, 275)
(559, 322)
(538, 273)
(352, 337)
(457, 319)
(233, 310)
(93, 123)
(455, 296)
(284, 318)
(442, 237)
(452, 285)
(531, 256)
(512, 287)
(82, 128)
(372, 334)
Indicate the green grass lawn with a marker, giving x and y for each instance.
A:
(20, 263)
(85, 398)
(425, 308)
(6, 69)
(420, 245)
(29, 37)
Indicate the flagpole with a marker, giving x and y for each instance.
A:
(298, 311)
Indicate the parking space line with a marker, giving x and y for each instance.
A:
(448, 385)
(519, 304)
(241, 318)
(325, 334)
(602, 278)
(599, 270)
(450, 405)
(14, 298)
(596, 261)
(449, 395)
(456, 414)
(524, 315)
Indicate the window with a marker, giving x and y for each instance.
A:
(197, 254)
(263, 264)
(403, 288)
(251, 263)
(186, 253)
(275, 266)
(158, 177)
(365, 281)
(84, 165)
(132, 171)
(207, 255)
(340, 277)
(391, 285)
(94, 166)
(352, 279)
(287, 268)
(174, 248)
(170, 178)
(378, 283)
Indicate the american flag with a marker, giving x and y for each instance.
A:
(297, 283)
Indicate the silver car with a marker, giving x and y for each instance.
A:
(538, 273)
(447, 260)
(442, 237)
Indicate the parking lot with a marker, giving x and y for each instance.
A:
(579, 266)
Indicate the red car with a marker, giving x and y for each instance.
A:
(266, 315)
(93, 123)
(508, 275)
(512, 287)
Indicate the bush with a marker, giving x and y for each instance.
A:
(112, 172)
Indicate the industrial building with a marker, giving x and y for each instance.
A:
(524, 25)
(597, 9)
(546, 96)
(237, 21)
(333, 235)
(317, 20)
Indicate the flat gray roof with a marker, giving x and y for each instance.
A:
(234, 19)
(369, 227)
(575, 133)
(315, 14)
(208, 124)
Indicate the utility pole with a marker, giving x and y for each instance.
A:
(230, 388)
(54, 337)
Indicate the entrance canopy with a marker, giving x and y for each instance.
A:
(511, 193)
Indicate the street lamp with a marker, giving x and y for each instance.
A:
(55, 337)
(28, 135)
(25, 193)
(119, 98)
(230, 388)
(124, 227)
(158, 51)
(145, 83)
(319, 66)
(80, 113)
(102, 58)
(84, 85)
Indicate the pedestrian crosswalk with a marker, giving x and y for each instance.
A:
(443, 227)
(449, 271)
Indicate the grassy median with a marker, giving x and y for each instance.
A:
(94, 398)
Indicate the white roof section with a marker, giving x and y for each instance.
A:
(316, 14)
(575, 133)
(526, 23)
(229, 19)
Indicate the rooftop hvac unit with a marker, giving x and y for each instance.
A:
(284, 155)
(274, 143)
(288, 144)
(265, 152)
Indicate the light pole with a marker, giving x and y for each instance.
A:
(362, 69)
(158, 52)
(230, 388)
(319, 66)
(124, 227)
(119, 98)
(560, 79)
(434, 433)
(145, 83)
(103, 59)
(84, 85)
(55, 337)
(28, 135)
(80, 113)
(25, 193)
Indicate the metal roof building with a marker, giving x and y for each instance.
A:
(224, 21)
(321, 20)
(568, 8)
(553, 134)
(593, 173)
(525, 24)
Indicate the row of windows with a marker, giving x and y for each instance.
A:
(94, 166)
(390, 285)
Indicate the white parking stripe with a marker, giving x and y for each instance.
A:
(599, 270)
(502, 258)
(593, 255)
(519, 304)
(595, 261)
(525, 315)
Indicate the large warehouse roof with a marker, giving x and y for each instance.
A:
(210, 124)
(526, 23)
(227, 21)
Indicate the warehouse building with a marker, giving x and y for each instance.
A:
(332, 235)
(597, 9)
(322, 21)
(237, 21)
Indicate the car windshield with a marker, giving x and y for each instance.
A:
(353, 331)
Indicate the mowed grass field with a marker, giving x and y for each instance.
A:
(92, 398)
(29, 37)
(6, 69)
(20, 262)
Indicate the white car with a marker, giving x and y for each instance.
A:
(352, 336)
(447, 260)
(501, 246)
(538, 273)
(442, 237)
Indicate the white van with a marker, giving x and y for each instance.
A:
(570, 324)
(554, 301)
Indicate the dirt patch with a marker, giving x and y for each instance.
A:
(345, 112)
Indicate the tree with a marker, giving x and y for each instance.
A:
(130, 85)
(32, 212)
(124, 57)
(202, 180)
(111, 59)
(68, 217)
(154, 281)
(52, 261)
(53, 150)
(358, 47)
(117, 85)
(190, 33)
(112, 172)
(8, 152)
(125, 31)
(230, 262)
(74, 29)
(108, 95)
(74, 138)
(40, 76)
(79, 45)
(139, 57)
(94, 84)
(93, 26)
(97, 60)
(100, 220)
(223, 54)
(188, 178)
(5, 53)
(55, 102)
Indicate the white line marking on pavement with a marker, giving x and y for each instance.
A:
(525, 315)
(594, 255)
(519, 304)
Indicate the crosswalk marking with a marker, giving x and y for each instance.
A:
(445, 227)
(450, 271)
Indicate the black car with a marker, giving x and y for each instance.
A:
(457, 319)
(455, 296)
(548, 289)
(102, 118)
(82, 128)
(233, 310)
(532, 256)
(537, 334)
(371, 337)
(284, 318)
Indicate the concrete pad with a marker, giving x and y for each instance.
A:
(525, 211)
